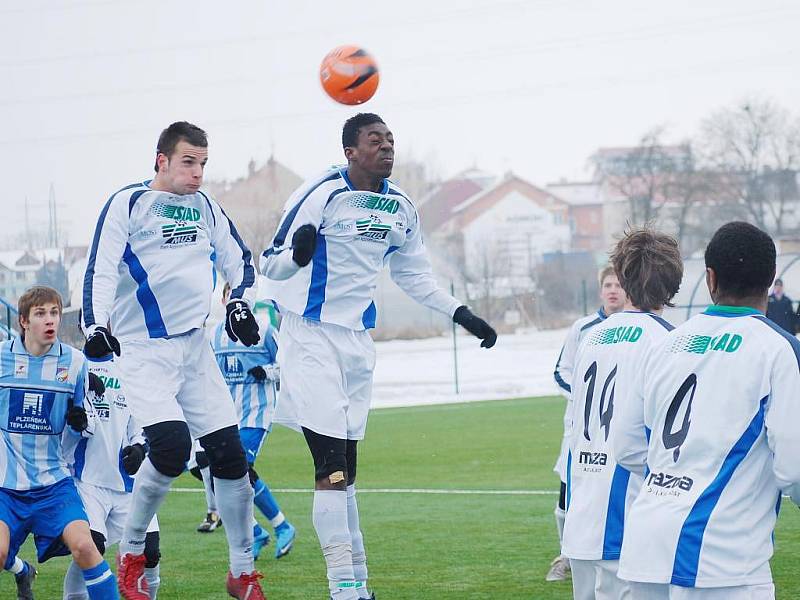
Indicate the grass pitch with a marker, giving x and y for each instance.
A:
(419, 546)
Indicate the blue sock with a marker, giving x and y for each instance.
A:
(100, 582)
(264, 500)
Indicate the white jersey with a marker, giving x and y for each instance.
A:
(98, 460)
(720, 401)
(358, 232)
(254, 400)
(151, 265)
(563, 376)
(599, 491)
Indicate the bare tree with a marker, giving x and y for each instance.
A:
(757, 144)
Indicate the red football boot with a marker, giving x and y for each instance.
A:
(130, 577)
(246, 586)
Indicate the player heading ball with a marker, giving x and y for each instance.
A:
(338, 231)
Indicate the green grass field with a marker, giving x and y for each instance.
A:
(420, 546)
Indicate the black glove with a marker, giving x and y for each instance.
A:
(304, 242)
(476, 326)
(132, 457)
(240, 324)
(100, 343)
(258, 373)
(96, 385)
(77, 419)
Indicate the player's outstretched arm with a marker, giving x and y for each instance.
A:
(101, 343)
(232, 257)
(476, 326)
(240, 324)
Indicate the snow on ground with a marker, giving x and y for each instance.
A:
(415, 372)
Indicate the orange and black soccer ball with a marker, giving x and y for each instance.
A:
(349, 75)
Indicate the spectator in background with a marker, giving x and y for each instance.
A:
(779, 309)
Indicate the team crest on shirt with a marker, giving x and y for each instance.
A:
(372, 229)
(21, 371)
(62, 374)
(233, 370)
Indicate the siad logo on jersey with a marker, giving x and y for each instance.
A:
(372, 228)
(372, 202)
(176, 213)
(178, 235)
(616, 335)
(700, 344)
(593, 458)
(665, 481)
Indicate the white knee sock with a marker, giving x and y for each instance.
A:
(357, 540)
(74, 585)
(149, 490)
(235, 503)
(560, 518)
(152, 576)
(330, 521)
(211, 501)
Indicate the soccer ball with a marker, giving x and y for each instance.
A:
(349, 75)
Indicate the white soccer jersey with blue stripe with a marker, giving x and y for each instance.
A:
(563, 376)
(35, 394)
(721, 399)
(151, 265)
(599, 490)
(98, 460)
(254, 400)
(358, 232)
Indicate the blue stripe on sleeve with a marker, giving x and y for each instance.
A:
(152, 313)
(615, 515)
(270, 345)
(88, 278)
(690, 540)
(127, 480)
(663, 322)
(280, 236)
(369, 317)
(319, 280)
(210, 209)
(560, 380)
(793, 341)
(80, 457)
(569, 477)
(249, 273)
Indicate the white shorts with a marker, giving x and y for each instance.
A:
(107, 510)
(326, 377)
(665, 591)
(176, 379)
(597, 580)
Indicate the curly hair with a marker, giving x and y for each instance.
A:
(743, 258)
(649, 267)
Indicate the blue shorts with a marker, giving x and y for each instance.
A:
(252, 440)
(45, 512)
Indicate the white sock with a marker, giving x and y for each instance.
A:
(357, 540)
(149, 490)
(330, 521)
(560, 518)
(211, 501)
(235, 502)
(17, 567)
(153, 581)
(277, 520)
(74, 585)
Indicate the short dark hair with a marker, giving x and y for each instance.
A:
(743, 258)
(778, 281)
(179, 131)
(354, 124)
(649, 267)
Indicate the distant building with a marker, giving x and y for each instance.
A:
(585, 200)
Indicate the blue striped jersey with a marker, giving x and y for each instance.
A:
(98, 460)
(358, 232)
(151, 265)
(599, 490)
(35, 394)
(721, 400)
(254, 400)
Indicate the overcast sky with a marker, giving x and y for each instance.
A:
(531, 86)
